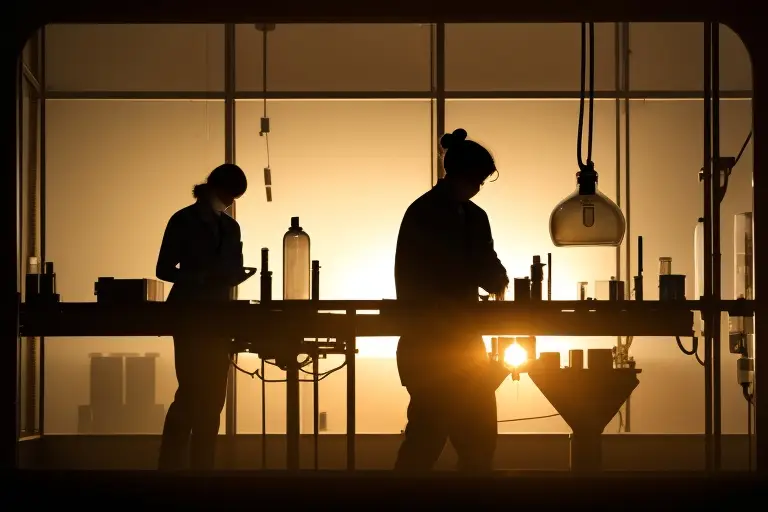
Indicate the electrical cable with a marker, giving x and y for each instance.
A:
(694, 349)
(305, 363)
(530, 418)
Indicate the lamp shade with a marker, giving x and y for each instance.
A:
(587, 217)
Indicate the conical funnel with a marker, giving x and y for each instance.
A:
(586, 399)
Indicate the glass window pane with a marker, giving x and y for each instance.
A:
(534, 145)
(667, 146)
(335, 57)
(670, 56)
(348, 170)
(116, 172)
(524, 56)
(113, 57)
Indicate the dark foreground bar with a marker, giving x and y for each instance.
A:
(382, 490)
(322, 319)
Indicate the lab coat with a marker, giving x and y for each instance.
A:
(201, 242)
(444, 254)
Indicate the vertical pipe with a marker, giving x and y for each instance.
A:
(30, 233)
(263, 414)
(626, 52)
(627, 146)
(440, 92)
(229, 157)
(43, 209)
(10, 390)
(19, 203)
(760, 247)
(707, 313)
(350, 355)
(316, 371)
(617, 63)
(716, 260)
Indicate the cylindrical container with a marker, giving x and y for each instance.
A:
(296, 264)
(600, 359)
(315, 280)
(106, 381)
(638, 287)
(537, 278)
(582, 288)
(548, 361)
(576, 359)
(522, 289)
(48, 280)
(140, 373)
(665, 266)
(32, 281)
(495, 348)
(615, 290)
(698, 282)
(671, 287)
(266, 277)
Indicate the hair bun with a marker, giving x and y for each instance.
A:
(449, 140)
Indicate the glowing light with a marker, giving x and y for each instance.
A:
(515, 355)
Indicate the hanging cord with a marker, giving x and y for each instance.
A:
(308, 361)
(264, 86)
(583, 92)
(694, 349)
(530, 418)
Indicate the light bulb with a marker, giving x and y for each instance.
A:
(515, 355)
(587, 217)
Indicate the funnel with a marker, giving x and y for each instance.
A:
(587, 400)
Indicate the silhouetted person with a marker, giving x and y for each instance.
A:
(444, 254)
(201, 254)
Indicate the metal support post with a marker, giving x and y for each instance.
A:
(350, 356)
(229, 157)
(716, 260)
(707, 312)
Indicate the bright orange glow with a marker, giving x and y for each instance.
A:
(515, 355)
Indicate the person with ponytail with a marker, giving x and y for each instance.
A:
(201, 254)
(444, 255)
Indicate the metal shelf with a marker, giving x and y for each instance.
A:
(331, 319)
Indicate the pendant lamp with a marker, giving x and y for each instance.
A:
(586, 217)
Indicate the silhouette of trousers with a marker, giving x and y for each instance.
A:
(192, 422)
(463, 415)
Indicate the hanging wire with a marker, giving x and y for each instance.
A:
(264, 84)
(583, 93)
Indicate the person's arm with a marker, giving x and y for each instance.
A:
(170, 254)
(413, 257)
(492, 275)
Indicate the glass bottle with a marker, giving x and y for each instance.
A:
(296, 264)
(587, 217)
(665, 266)
(698, 270)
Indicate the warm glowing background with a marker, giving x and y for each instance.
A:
(117, 170)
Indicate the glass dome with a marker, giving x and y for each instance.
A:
(587, 217)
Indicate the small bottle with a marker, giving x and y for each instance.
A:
(665, 266)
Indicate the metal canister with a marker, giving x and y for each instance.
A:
(522, 289)
(671, 287)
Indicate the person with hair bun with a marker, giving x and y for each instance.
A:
(444, 255)
(202, 255)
